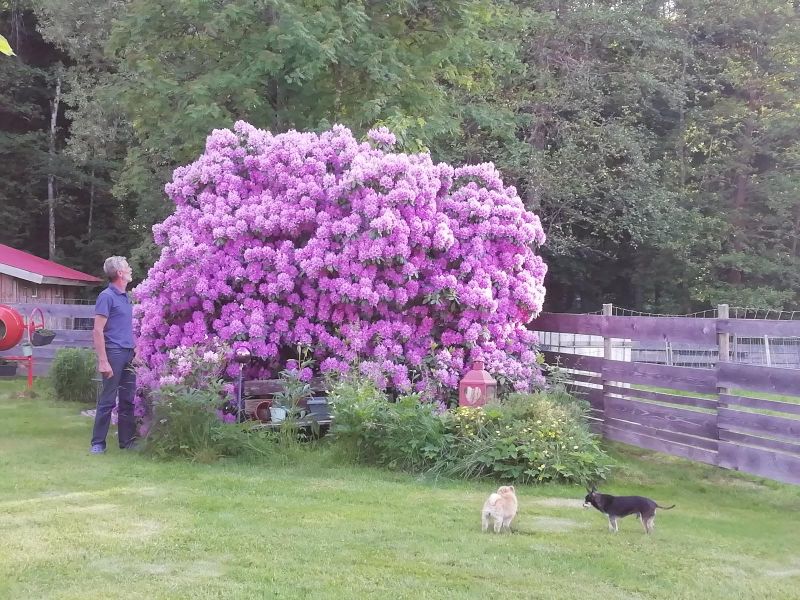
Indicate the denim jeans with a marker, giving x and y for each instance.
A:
(121, 384)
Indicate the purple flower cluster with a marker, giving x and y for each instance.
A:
(407, 268)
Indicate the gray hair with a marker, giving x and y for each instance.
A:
(113, 265)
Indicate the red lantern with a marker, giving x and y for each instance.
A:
(477, 387)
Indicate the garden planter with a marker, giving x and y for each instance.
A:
(277, 414)
(319, 407)
(8, 370)
(42, 338)
(262, 411)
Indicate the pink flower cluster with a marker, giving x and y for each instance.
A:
(194, 366)
(407, 268)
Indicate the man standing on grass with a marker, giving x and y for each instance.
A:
(113, 342)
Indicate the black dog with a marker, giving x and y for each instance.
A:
(617, 507)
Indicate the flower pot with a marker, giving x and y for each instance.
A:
(9, 370)
(42, 339)
(319, 407)
(27, 349)
(277, 414)
(262, 411)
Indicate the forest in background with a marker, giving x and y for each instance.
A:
(658, 141)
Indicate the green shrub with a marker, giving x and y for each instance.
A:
(413, 435)
(407, 434)
(72, 374)
(356, 406)
(526, 438)
(187, 425)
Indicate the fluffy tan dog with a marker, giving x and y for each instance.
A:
(500, 507)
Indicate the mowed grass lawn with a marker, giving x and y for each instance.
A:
(123, 526)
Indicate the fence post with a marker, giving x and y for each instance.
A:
(608, 311)
(723, 340)
(724, 355)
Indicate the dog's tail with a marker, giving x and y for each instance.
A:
(665, 507)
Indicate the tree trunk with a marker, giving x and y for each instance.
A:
(742, 185)
(16, 27)
(682, 126)
(51, 197)
(739, 200)
(91, 206)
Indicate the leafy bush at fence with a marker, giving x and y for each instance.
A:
(72, 374)
(527, 438)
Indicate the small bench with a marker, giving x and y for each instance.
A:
(307, 422)
(260, 390)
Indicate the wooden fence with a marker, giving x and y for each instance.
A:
(737, 416)
(62, 319)
(723, 415)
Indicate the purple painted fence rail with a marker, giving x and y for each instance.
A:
(62, 319)
(706, 415)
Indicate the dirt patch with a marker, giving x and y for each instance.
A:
(92, 508)
(784, 573)
(66, 497)
(143, 529)
(325, 485)
(553, 524)
(558, 502)
(181, 570)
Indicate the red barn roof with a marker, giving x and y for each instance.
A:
(22, 265)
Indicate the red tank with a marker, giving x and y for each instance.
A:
(12, 327)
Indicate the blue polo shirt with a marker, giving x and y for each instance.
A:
(117, 307)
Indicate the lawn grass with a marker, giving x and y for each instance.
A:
(123, 526)
(734, 392)
(746, 393)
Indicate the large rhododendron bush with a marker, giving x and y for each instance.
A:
(369, 259)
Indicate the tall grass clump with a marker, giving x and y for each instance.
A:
(72, 375)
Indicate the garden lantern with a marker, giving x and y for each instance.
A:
(477, 387)
(241, 356)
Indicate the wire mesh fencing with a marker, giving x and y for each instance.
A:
(763, 350)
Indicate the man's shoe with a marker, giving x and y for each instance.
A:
(98, 449)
